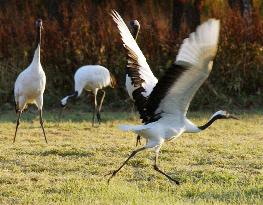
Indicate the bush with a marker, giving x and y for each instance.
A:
(77, 33)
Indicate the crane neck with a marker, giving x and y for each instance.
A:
(210, 122)
(38, 37)
(190, 127)
(36, 58)
(135, 33)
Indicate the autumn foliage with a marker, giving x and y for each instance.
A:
(82, 32)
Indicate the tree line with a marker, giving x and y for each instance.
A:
(81, 32)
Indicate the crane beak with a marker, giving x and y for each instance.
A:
(232, 117)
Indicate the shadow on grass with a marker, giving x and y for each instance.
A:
(61, 153)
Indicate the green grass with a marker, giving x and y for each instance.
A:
(222, 165)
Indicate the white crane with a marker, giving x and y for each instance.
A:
(134, 83)
(91, 78)
(30, 84)
(164, 110)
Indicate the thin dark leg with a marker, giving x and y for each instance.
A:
(155, 166)
(60, 114)
(17, 124)
(138, 140)
(94, 109)
(132, 155)
(101, 101)
(41, 123)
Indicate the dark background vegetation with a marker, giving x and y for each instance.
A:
(81, 32)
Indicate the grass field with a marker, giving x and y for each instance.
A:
(222, 165)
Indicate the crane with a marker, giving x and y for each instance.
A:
(30, 83)
(91, 78)
(164, 110)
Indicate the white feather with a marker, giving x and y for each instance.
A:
(144, 70)
(30, 84)
(196, 59)
(197, 54)
(91, 78)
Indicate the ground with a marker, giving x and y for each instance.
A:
(222, 165)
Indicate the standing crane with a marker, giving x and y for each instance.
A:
(164, 110)
(30, 84)
(91, 78)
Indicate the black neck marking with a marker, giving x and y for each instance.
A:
(38, 37)
(211, 121)
(135, 33)
(135, 26)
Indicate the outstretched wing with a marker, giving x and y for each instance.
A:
(193, 64)
(140, 80)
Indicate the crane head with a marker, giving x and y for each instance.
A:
(39, 23)
(222, 114)
(135, 27)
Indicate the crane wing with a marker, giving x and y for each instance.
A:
(140, 80)
(175, 90)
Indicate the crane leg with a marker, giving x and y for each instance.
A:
(131, 155)
(138, 140)
(41, 123)
(17, 124)
(94, 109)
(156, 168)
(101, 101)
